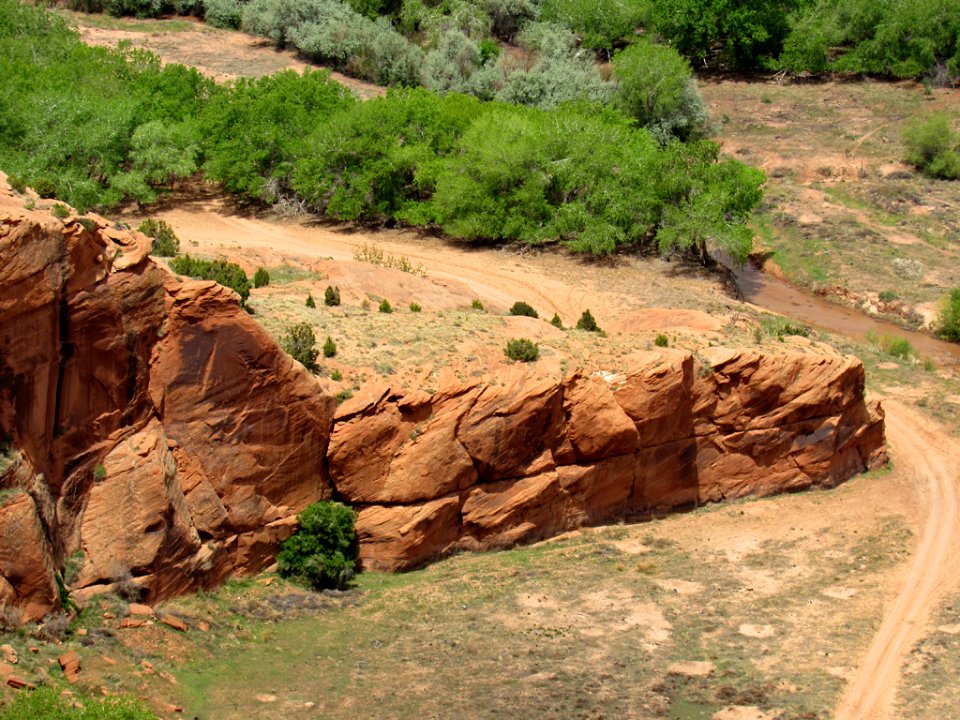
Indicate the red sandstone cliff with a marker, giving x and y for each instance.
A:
(159, 430)
(162, 432)
(490, 465)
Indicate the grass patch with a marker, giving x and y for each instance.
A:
(286, 274)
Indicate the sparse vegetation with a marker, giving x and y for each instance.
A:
(522, 350)
(524, 309)
(415, 307)
(323, 552)
(897, 347)
(661, 340)
(476, 305)
(165, 241)
(556, 321)
(60, 212)
(385, 306)
(301, 344)
(100, 472)
(310, 302)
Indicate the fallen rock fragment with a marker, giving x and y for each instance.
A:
(70, 663)
(128, 623)
(173, 622)
(18, 683)
(9, 654)
(138, 609)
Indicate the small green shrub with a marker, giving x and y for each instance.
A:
(261, 278)
(476, 305)
(100, 473)
(888, 295)
(385, 306)
(898, 348)
(587, 322)
(522, 350)
(414, 307)
(523, 309)
(323, 552)
(301, 344)
(331, 296)
(310, 303)
(344, 395)
(662, 340)
(556, 321)
(223, 13)
(948, 320)
(336, 376)
(933, 146)
(329, 348)
(891, 345)
(165, 241)
(60, 212)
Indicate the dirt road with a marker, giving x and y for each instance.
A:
(920, 446)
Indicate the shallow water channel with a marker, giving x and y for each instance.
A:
(781, 297)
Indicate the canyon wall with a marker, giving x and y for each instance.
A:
(151, 429)
(490, 465)
(152, 432)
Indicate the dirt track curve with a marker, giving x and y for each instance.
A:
(921, 448)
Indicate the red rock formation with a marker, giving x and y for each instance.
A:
(160, 430)
(163, 432)
(547, 456)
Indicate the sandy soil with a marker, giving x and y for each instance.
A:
(219, 54)
(920, 448)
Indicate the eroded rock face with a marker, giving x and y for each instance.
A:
(160, 431)
(546, 456)
(164, 434)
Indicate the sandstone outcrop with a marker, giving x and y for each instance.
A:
(153, 436)
(484, 466)
(163, 433)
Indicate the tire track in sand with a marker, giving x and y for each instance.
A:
(930, 457)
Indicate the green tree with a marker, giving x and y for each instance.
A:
(731, 34)
(165, 242)
(587, 322)
(655, 85)
(331, 296)
(301, 344)
(323, 552)
(261, 278)
(948, 321)
(329, 348)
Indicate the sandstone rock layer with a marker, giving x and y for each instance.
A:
(158, 429)
(153, 434)
(485, 466)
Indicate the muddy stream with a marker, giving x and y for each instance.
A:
(779, 296)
